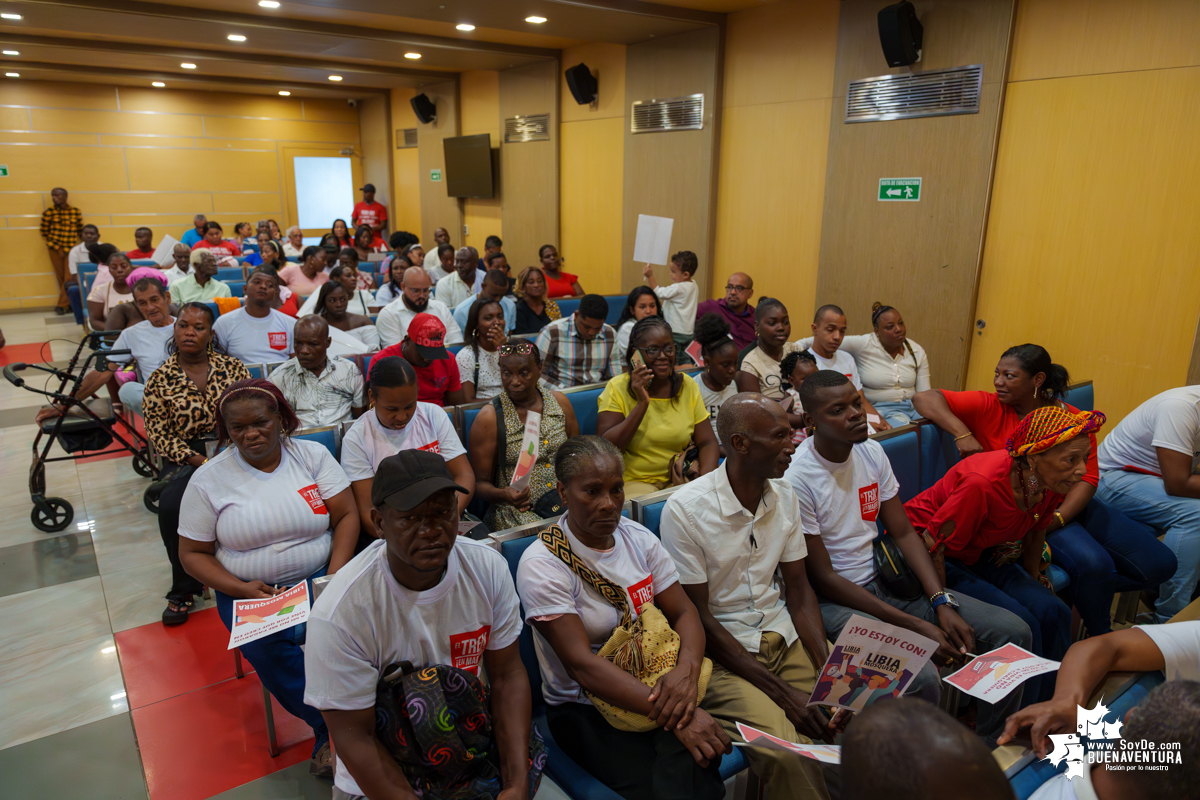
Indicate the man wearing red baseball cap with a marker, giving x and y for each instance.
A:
(437, 374)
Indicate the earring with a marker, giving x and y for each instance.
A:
(1032, 482)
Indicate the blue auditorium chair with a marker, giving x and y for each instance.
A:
(567, 305)
(237, 288)
(328, 435)
(227, 274)
(585, 401)
(616, 303)
(1081, 395)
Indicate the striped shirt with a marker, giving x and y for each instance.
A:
(569, 360)
(61, 226)
(324, 400)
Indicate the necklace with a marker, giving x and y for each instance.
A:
(1025, 491)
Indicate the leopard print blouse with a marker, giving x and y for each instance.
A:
(176, 410)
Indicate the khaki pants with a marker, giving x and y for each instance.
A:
(58, 260)
(638, 488)
(731, 699)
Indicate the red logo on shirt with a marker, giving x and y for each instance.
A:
(313, 495)
(868, 501)
(432, 447)
(642, 592)
(278, 340)
(467, 648)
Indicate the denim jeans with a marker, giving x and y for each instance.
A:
(279, 662)
(1014, 589)
(130, 394)
(897, 412)
(994, 627)
(1145, 499)
(76, 302)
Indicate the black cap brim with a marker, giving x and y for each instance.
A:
(431, 353)
(414, 494)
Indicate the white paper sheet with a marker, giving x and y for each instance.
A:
(254, 619)
(529, 450)
(653, 244)
(994, 675)
(163, 254)
(829, 753)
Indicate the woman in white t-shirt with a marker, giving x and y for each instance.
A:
(641, 303)
(479, 361)
(260, 517)
(339, 306)
(571, 621)
(829, 329)
(397, 421)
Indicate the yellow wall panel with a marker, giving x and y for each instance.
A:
(483, 219)
(1093, 218)
(120, 140)
(591, 187)
(13, 119)
(69, 121)
(281, 130)
(25, 253)
(607, 63)
(781, 52)
(406, 207)
(330, 111)
(42, 167)
(160, 223)
(234, 144)
(224, 103)
(25, 202)
(135, 202)
(48, 94)
(22, 286)
(7, 137)
(9, 305)
(184, 170)
(246, 202)
(479, 99)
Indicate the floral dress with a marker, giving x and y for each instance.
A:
(553, 434)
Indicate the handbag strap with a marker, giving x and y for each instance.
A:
(501, 442)
(556, 542)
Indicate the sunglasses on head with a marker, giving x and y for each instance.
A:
(518, 349)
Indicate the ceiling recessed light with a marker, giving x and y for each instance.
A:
(10, 16)
(12, 74)
(159, 84)
(535, 20)
(412, 55)
(268, 3)
(188, 66)
(285, 94)
(11, 53)
(335, 77)
(466, 26)
(236, 37)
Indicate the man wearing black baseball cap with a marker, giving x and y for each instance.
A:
(368, 212)
(419, 595)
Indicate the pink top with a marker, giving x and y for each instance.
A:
(300, 283)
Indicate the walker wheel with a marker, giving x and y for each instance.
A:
(141, 468)
(60, 516)
(150, 497)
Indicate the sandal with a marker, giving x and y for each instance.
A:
(176, 612)
(321, 765)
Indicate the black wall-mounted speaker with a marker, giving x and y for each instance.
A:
(900, 33)
(424, 108)
(582, 83)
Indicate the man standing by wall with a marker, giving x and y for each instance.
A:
(61, 226)
(369, 212)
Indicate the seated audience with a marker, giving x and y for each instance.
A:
(275, 231)
(558, 283)
(182, 267)
(678, 299)
(413, 599)
(424, 347)
(397, 421)
(359, 301)
(270, 254)
(758, 370)
(347, 258)
(796, 367)
(735, 309)
(368, 241)
(985, 523)
(844, 483)
(321, 389)
(332, 304)
(341, 233)
(433, 258)
(479, 362)
(77, 254)
(642, 302)
(1101, 549)
(329, 244)
(581, 348)
(883, 755)
(443, 262)
(730, 533)
(829, 329)
(306, 277)
(243, 237)
(294, 246)
(390, 289)
(106, 296)
(491, 246)
(180, 406)
(124, 315)
(653, 414)
(462, 284)
(256, 333)
(534, 310)
(500, 425)
(494, 287)
(1147, 474)
(571, 620)
(196, 233)
(394, 319)
(200, 285)
(498, 260)
(258, 518)
(719, 352)
(225, 251)
(144, 239)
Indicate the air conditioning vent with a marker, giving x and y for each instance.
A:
(534, 128)
(405, 138)
(925, 94)
(672, 114)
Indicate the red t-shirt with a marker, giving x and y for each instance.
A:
(225, 248)
(368, 214)
(434, 381)
(992, 423)
(563, 286)
(132, 254)
(976, 495)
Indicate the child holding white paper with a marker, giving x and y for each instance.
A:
(679, 300)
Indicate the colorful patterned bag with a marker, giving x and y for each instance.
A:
(437, 724)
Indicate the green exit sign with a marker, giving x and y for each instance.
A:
(903, 190)
(3, 170)
(435, 175)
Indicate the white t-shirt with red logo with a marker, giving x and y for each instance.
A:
(840, 503)
(268, 526)
(1170, 420)
(367, 442)
(638, 562)
(841, 362)
(365, 620)
(256, 340)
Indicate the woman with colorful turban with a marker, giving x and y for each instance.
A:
(985, 523)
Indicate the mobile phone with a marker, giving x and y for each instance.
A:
(637, 359)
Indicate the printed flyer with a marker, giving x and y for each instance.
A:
(992, 676)
(254, 619)
(870, 660)
(829, 753)
(529, 450)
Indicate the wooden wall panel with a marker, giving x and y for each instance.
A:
(405, 208)
(673, 174)
(529, 170)
(479, 100)
(921, 257)
(437, 209)
(375, 127)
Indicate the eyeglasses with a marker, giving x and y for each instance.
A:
(518, 349)
(736, 288)
(655, 352)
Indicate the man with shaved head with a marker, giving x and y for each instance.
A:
(321, 389)
(464, 282)
(441, 236)
(734, 308)
(728, 532)
(395, 317)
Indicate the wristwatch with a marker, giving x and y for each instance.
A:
(943, 598)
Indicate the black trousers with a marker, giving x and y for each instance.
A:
(182, 584)
(638, 766)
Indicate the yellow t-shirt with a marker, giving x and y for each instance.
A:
(665, 430)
